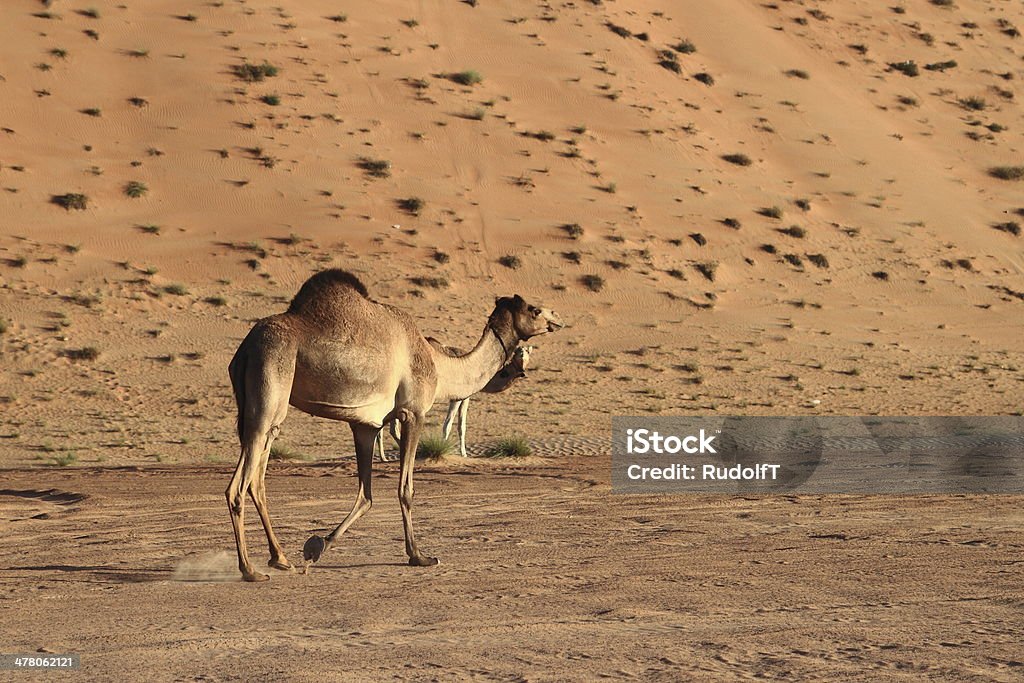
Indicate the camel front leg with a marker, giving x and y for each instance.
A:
(365, 437)
(410, 440)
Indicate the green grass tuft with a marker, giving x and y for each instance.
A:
(254, 73)
(433, 446)
(468, 78)
(135, 189)
(510, 447)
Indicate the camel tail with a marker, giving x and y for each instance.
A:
(236, 369)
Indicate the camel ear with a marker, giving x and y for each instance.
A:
(518, 300)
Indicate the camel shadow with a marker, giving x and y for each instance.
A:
(101, 573)
(360, 565)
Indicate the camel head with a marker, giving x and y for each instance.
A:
(520, 359)
(526, 319)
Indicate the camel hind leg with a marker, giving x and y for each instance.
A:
(258, 491)
(262, 390)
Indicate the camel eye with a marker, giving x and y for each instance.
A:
(534, 310)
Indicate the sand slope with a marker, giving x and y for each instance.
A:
(890, 291)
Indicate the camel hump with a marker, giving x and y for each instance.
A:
(323, 284)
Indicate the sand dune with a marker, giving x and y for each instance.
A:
(881, 287)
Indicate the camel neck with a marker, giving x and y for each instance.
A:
(460, 377)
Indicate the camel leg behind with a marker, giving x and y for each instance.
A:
(449, 418)
(463, 415)
(411, 430)
(261, 375)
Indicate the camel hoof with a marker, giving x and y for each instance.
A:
(423, 561)
(280, 563)
(254, 577)
(314, 548)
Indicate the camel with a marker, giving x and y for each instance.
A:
(337, 354)
(514, 371)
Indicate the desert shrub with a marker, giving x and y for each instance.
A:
(272, 100)
(595, 283)
(973, 103)
(771, 212)
(72, 200)
(907, 68)
(282, 452)
(620, 31)
(818, 259)
(411, 205)
(468, 78)
(176, 289)
(254, 73)
(433, 446)
(1007, 172)
(794, 231)
(573, 230)
(437, 282)
(510, 447)
(135, 189)
(684, 47)
(738, 159)
(705, 78)
(798, 73)
(375, 168)
(707, 269)
(84, 353)
(511, 261)
(65, 459)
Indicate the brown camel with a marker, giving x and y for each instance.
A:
(513, 371)
(335, 353)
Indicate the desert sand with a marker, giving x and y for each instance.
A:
(738, 207)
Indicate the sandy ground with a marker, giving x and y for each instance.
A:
(545, 575)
